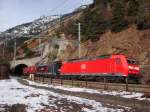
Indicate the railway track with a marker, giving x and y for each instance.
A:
(95, 85)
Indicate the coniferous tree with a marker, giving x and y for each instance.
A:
(118, 22)
(93, 24)
(133, 7)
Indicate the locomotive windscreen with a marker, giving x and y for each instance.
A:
(131, 61)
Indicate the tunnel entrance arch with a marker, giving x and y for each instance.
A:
(18, 70)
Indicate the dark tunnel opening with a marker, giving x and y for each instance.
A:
(18, 70)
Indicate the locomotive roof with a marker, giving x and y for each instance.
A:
(89, 58)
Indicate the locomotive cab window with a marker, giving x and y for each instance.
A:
(131, 61)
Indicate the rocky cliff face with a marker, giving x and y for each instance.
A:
(131, 42)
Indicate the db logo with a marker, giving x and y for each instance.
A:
(83, 66)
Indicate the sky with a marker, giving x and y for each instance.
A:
(15, 12)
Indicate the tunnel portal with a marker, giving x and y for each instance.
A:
(18, 70)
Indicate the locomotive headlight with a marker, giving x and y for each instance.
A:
(136, 68)
(131, 67)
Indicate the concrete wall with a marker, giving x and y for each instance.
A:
(28, 62)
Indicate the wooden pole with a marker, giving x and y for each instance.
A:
(86, 81)
(72, 82)
(127, 84)
(105, 83)
(51, 80)
(43, 79)
(61, 81)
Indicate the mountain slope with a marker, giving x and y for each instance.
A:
(35, 27)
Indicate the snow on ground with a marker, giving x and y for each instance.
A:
(124, 94)
(12, 92)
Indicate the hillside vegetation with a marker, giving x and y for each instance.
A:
(104, 15)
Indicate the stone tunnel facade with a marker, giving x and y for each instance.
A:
(18, 65)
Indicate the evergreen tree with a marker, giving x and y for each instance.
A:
(93, 24)
(67, 28)
(71, 28)
(118, 22)
(103, 2)
(4, 62)
(133, 7)
(143, 17)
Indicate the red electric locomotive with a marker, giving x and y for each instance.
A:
(114, 65)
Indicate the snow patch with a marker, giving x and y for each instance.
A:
(123, 94)
(35, 99)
